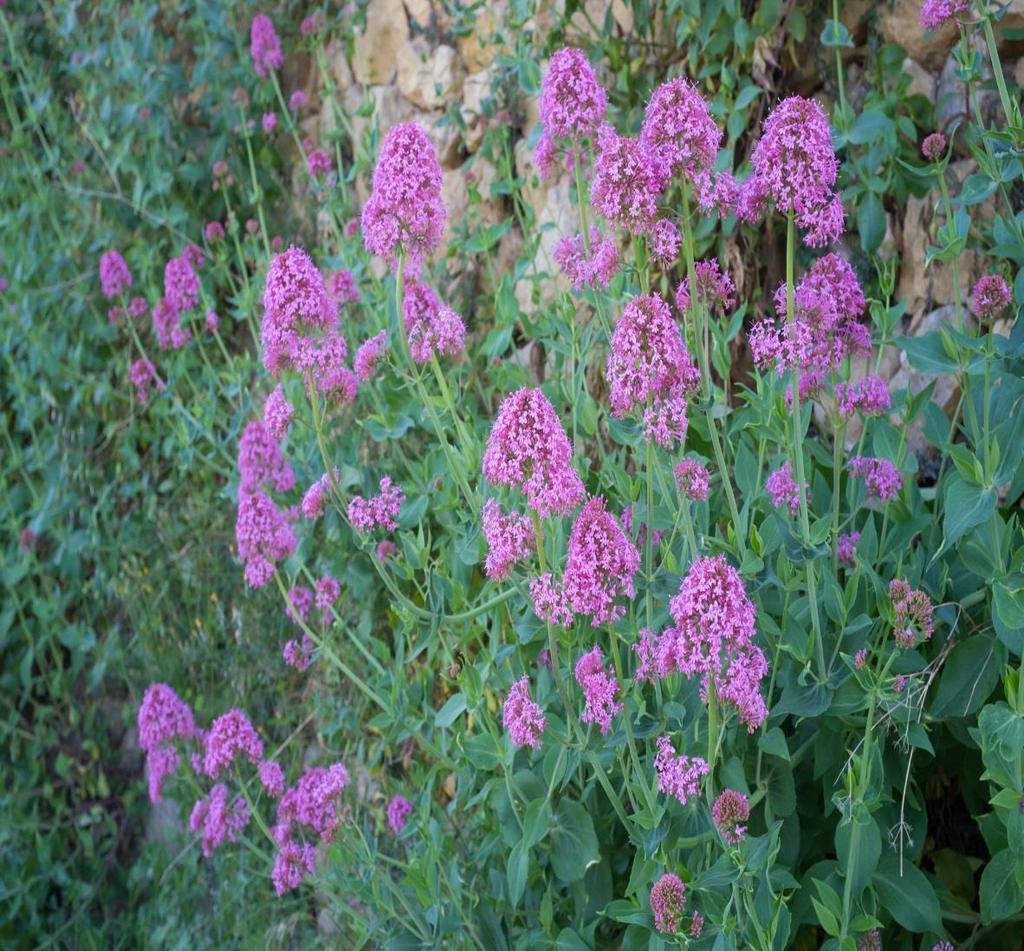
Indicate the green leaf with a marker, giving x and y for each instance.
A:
(774, 743)
(966, 506)
(909, 897)
(870, 125)
(969, 675)
(535, 822)
(859, 847)
(449, 713)
(573, 842)
(518, 869)
(1000, 892)
(929, 353)
(835, 34)
(870, 221)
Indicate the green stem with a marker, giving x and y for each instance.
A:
(1011, 112)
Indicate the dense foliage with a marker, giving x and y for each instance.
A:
(542, 525)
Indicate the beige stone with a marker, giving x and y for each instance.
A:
(376, 51)
(899, 22)
(922, 83)
(429, 78)
(479, 48)
(475, 90)
(419, 12)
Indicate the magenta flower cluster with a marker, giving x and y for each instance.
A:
(510, 539)
(593, 268)
(880, 476)
(693, 480)
(868, 396)
(217, 820)
(782, 488)
(599, 569)
(399, 809)
(529, 450)
(230, 736)
(730, 811)
(668, 903)
(912, 613)
(991, 296)
(265, 46)
(115, 278)
(379, 511)
(433, 328)
(678, 776)
(599, 689)
(715, 289)
(523, 719)
(934, 13)
(163, 717)
(572, 104)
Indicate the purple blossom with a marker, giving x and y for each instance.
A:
(181, 284)
(783, 489)
(369, 355)
(163, 716)
(693, 480)
(846, 547)
(528, 449)
(664, 240)
(312, 803)
(294, 862)
(298, 654)
(912, 613)
(277, 414)
(882, 478)
(260, 460)
(230, 736)
(313, 501)
(263, 536)
(297, 101)
(715, 289)
(266, 47)
(572, 101)
(343, 288)
(524, 720)
(269, 122)
(115, 278)
(398, 813)
(678, 776)
(319, 164)
(679, 130)
(627, 182)
(729, 811)
(510, 539)
(934, 146)
(271, 778)
(432, 327)
(379, 510)
(868, 396)
(668, 902)
(141, 374)
(594, 269)
(599, 690)
(934, 13)
(991, 295)
(217, 820)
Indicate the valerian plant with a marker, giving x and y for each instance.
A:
(638, 643)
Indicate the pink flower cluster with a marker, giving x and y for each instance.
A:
(260, 460)
(934, 13)
(678, 776)
(680, 132)
(141, 374)
(572, 104)
(664, 239)
(599, 568)
(934, 146)
(868, 396)
(181, 284)
(595, 268)
(263, 535)
(882, 478)
(265, 46)
(912, 613)
(782, 489)
(170, 332)
(115, 278)
(271, 778)
(510, 539)
(312, 804)
(319, 163)
(162, 718)
(432, 327)
(369, 355)
(230, 736)
(668, 903)
(846, 547)
(627, 182)
(379, 510)
(405, 213)
(729, 811)
(277, 416)
(216, 820)
(693, 480)
(599, 690)
(991, 295)
(343, 287)
(398, 813)
(524, 720)
(650, 367)
(795, 167)
(313, 501)
(528, 449)
(715, 289)
(713, 635)
(828, 304)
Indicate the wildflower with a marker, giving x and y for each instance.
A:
(181, 284)
(260, 460)
(230, 735)
(312, 24)
(782, 489)
(599, 689)
(312, 803)
(510, 539)
(899, 683)
(295, 305)
(846, 547)
(343, 288)
(271, 778)
(715, 289)
(263, 536)
(882, 478)
(163, 716)
(266, 47)
(730, 809)
(679, 130)
(297, 101)
(137, 307)
(544, 155)
(572, 101)
(991, 295)
(696, 925)
(599, 568)
(368, 356)
(432, 327)
(665, 239)
(713, 636)
(115, 278)
(523, 718)
(405, 213)
(860, 659)
(141, 374)
(943, 946)
(194, 255)
(398, 813)
(312, 506)
(319, 164)
(934, 13)
(277, 413)
(298, 604)
(869, 396)
(211, 321)
(678, 776)
(795, 167)
(934, 146)
(217, 820)
(294, 861)
(298, 654)
(627, 182)
(269, 122)
(386, 549)
(160, 763)
(167, 326)
(693, 480)
(649, 365)
(380, 510)
(718, 194)
(912, 613)
(668, 901)
(327, 593)
(872, 941)
(595, 269)
(27, 539)
(528, 449)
